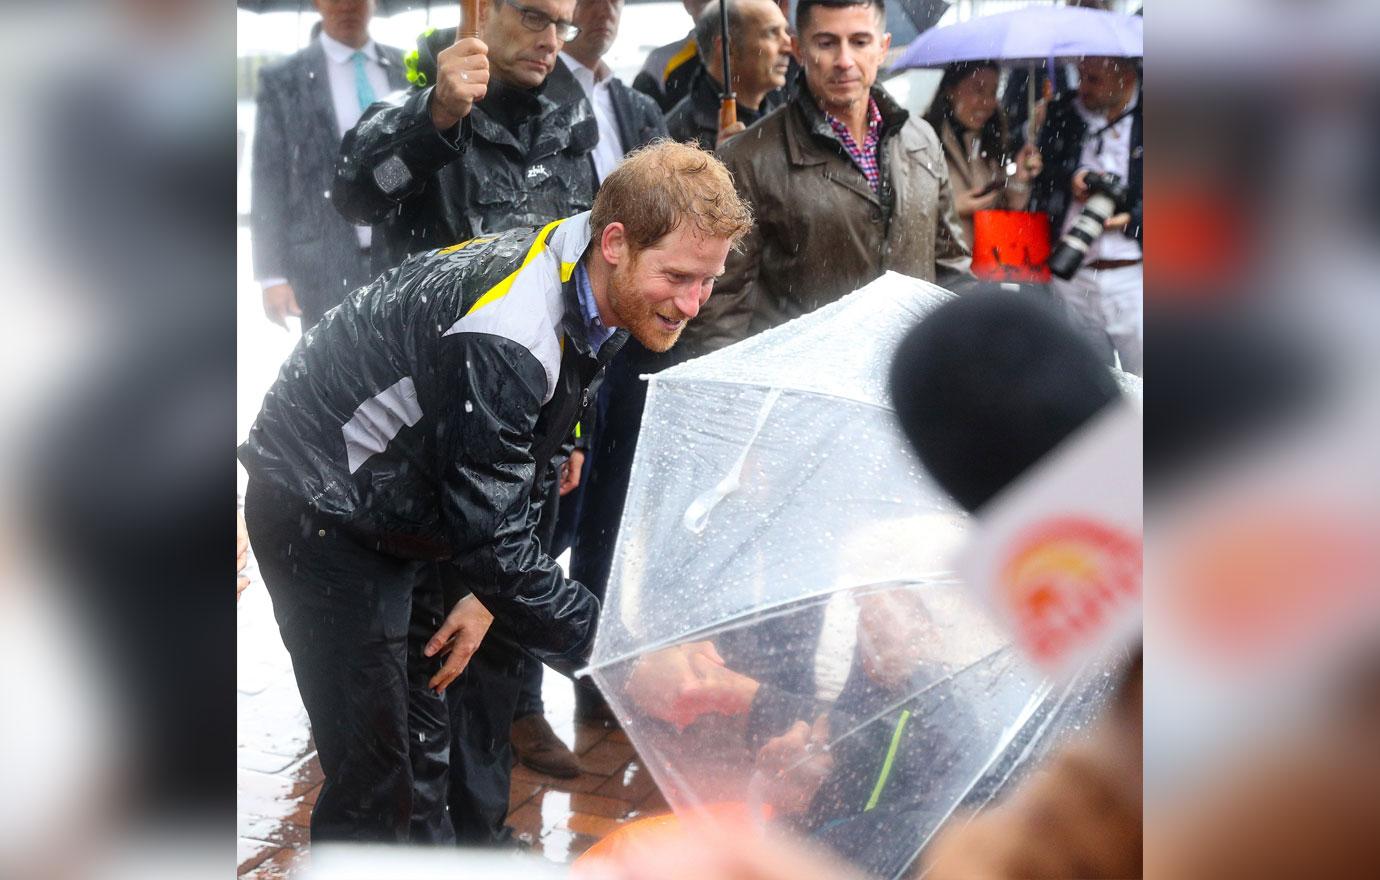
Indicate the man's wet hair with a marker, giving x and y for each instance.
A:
(664, 184)
(805, 7)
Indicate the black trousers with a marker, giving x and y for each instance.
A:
(481, 704)
(354, 622)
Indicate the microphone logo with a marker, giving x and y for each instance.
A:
(1064, 581)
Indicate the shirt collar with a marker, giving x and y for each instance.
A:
(594, 325)
(341, 53)
(1100, 119)
(874, 124)
(590, 77)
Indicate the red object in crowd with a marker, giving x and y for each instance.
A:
(1011, 246)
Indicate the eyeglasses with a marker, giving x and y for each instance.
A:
(537, 21)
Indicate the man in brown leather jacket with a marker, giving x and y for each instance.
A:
(845, 184)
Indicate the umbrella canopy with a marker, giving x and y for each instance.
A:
(1034, 33)
(904, 19)
(783, 551)
(382, 7)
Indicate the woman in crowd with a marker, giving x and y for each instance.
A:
(978, 147)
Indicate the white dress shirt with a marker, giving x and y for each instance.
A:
(609, 151)
(1108, 152)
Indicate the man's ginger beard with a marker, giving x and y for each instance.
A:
(634, 312)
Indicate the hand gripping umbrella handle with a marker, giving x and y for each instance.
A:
(697, 514)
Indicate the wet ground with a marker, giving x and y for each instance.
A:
(278, 777)
(277, 774)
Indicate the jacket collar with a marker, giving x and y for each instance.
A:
(569, 241)
(704, 103)
(815, 139)
(316, 74)
(558, 109)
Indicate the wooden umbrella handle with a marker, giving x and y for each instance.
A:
(728, 112)
(469, 19)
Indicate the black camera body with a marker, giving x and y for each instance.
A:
(1107, 194)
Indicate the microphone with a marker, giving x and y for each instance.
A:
(991, 382)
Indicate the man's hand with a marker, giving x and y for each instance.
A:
(679, 684)
(241, 554)
(794, 765)
(279, 303)
(460, 634)
(1118, 221)
(968, 202)
(570, 472)
(462, 77)
(730, 131)
(1080, 184)
(1029, 164)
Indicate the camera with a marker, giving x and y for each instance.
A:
(1106, 195)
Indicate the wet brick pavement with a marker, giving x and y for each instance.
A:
(278, 776)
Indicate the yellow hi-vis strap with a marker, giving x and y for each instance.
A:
(500, 290)
(886, 765)
(687, 52)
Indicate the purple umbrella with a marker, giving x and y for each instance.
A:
(1031, 34)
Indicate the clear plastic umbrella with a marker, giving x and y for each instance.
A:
(782, 639)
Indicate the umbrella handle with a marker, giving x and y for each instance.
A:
(469, 18)
(728, 112)
(696, 516)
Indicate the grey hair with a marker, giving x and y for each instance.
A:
(707, 30)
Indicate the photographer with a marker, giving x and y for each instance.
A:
(1098, 129)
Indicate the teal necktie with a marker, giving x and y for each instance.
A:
(362, 87)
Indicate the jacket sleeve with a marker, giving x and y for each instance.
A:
(488, 473)
(391, 154)
(726, 317)
(269, 181)
(953, 258)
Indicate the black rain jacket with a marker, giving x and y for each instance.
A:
(521, 158)
(417, 411)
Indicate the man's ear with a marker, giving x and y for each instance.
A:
(613, 244)
(886, 43)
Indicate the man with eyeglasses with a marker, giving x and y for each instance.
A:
(627, 120)
(495, 134)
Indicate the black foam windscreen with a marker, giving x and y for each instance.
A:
(988, 384)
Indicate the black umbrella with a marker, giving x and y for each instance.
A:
(383, 7)
(728, 109)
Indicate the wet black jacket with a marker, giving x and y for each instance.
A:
(521, 158)
(416, 412)
(696, 116)
(1061, 146)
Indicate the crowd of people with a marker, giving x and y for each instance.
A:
(512, 237)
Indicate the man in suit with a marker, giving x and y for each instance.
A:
(627, 120)
(306, 256)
